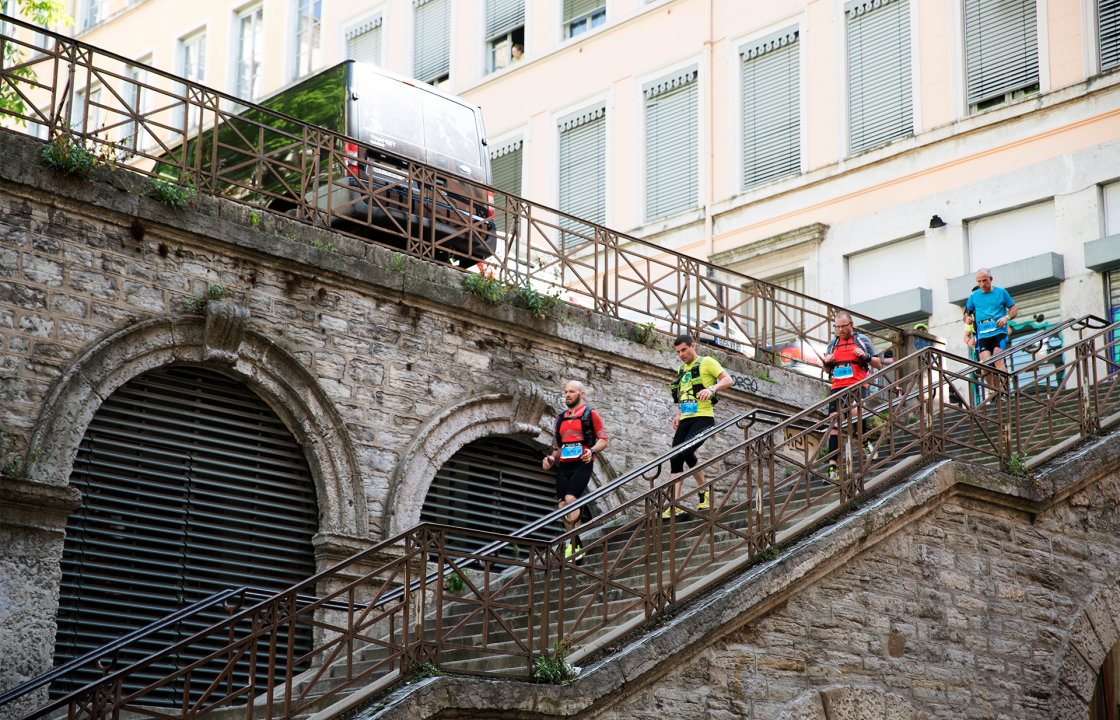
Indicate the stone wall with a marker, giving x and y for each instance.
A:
(381, 365)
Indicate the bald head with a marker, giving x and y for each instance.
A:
(573, 393)
(984, 280)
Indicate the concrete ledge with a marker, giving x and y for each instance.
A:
(1035, 273)
(1103, 254)
(900, 308)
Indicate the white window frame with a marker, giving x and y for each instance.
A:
(349, 24)
(605, 96)
(144, 141)
(560, 34)
(235, 55)
(958, 62)
(198, 34)
(91, 18)
(314, 54)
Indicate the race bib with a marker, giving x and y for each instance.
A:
(988, 325)
(571, 451)
(842, 371)
(688, 408)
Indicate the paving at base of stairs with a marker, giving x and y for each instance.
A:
(960, 592)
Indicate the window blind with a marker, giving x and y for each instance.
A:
(503, 16)
(672, 173)
(1108, 20)
(1001, 47)
(879, 80)
(432, 50)
(771, 110)
(583, 170)
(363, 42)
(505, 167)
(578, 8)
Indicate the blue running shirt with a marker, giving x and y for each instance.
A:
(987, 308)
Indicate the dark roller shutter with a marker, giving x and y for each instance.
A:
(363, 42)
(1001, 47)
(879, 81)
(190, 484)
(1108, 20)
(432, 52)
(495, 484)
(771, 107)
(583, 171)
(672, 173)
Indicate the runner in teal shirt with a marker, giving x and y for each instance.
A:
(992, 308)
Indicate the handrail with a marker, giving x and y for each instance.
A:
(609, 272)
(1088, 321)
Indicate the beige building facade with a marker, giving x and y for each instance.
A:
(873, 154)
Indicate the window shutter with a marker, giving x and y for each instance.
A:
(505, 167)
(879, 81)
(672, 174)
(1001, 47)
(771, 107)
(583, 170)
(1108, 19)
(578, 8)
(363, 42)
(432, 53)
(503, 16)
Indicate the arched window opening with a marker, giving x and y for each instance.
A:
(495, 484)
(1106, 695)
(190, 484)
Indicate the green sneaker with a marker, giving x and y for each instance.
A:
(571, 550)
(870, 449)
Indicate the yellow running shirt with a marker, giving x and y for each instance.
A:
(710, 370)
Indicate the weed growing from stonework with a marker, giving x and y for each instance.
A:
(254, 219)
(554, 668)
(645, 333)
(454, 583)
(14, 465)
(541, 304)
(198, 304)
(425, 670)
(328, 246)
(492, 290)
(70, 156)
(1016, 465)
(765, 378)
(397, 263)
(171, 194)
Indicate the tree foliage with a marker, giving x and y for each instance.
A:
(45, 13)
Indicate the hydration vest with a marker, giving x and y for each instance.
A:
(585, 424)
(697, 384)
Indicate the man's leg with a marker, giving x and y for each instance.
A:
(986, 375)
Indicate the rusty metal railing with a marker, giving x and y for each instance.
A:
(388, 612)
(163, 125)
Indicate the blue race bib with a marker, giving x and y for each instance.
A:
(571, 451)
(842, 371)
(688, 408)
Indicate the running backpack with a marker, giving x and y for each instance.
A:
(585, 424)
(697, 384)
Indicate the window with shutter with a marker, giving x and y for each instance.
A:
(583, 172)
(672, 174)
(431, 60)
(505, 172)
(583, 15)
(771, 109)
(363, 42)
(1001, 50)
(1108, 21)
(505, 33)
(879, 81)
(309, 36)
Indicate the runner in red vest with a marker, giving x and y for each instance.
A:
(848, 358)
(577, 435)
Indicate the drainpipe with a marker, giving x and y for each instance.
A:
(709, 188)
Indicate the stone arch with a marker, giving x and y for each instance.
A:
(1092, 634)
(850, 701)
(521, 409)
(221, 342)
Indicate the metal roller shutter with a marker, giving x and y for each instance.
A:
(583, 171)
(190, 484)
(496, 485)
(1001, 47)
(505, 169)
(432, 51)
(1038, 311)
(1108, 20)
(363, 43)
(578, 8)
(879, 81)
(503, 16)
(771, 109)
(1112, 306)
(672, 174)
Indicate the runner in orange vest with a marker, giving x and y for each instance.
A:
(847, 358)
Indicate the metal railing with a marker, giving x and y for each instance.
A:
(164, 125)
(386, 612)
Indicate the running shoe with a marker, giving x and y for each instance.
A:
(705, 501)
(870, 448)
(833, 473)
(675, 511)
(571, 550)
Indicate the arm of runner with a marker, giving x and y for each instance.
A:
(600, 438)
(550, 460)
(723, 382)
(876, 362)
(677, 417)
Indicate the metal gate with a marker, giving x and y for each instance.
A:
(190, 484)
(495, 484)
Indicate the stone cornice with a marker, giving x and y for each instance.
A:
(814, 233)
(35, 505)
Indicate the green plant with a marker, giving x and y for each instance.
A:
(516, 552)
(492, 290)
(397, 263)
(541, 304)
(198, 304)
(768, 554)
(645, 333)
(45, 13)
(254, 219)
(788, 471)
(70, 156)
(554, 668)
(454, 583)
(171, 194)
(425, 670)
(765, 378)
(1016, 465)
(14, 465)
(328, 246)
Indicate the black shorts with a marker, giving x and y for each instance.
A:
(687, 429)
(992, 343)
(572, 478)
(832, 403)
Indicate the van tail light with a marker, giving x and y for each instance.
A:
(352, 159)
(490, 200)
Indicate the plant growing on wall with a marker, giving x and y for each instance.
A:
(198, 304)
